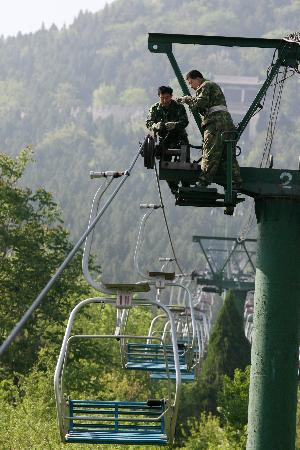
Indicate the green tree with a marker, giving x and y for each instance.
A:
(104, 95)
(12, 99)
(228, 350)
(33, 243)
(65, 102)
(233, 399)
(227, 430)
(207, 434)
(134, 96)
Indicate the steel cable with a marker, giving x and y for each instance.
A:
(165, 219)
(275, 105)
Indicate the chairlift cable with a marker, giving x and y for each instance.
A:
(273, 118)
(275, 106)
(165, 219)
(248, 224)
(270, 123)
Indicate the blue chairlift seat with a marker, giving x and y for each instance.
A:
(115, 422)
(163, 376)
(151, 357)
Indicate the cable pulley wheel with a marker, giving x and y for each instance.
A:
(149, 152)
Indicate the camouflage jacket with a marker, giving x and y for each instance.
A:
(209, 94)
(174, 113)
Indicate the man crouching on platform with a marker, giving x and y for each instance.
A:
(168, 119)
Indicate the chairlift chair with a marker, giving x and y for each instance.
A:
(161, 279)
(102, 421)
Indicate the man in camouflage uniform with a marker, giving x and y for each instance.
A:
(168, 119)
(211, 104)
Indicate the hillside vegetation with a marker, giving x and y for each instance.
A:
(79, 97)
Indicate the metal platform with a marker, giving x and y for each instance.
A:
(203, 196)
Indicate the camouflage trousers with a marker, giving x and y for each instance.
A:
(214, 154)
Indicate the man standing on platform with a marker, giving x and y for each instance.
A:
(210, 103)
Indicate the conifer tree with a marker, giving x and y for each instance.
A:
(228, 350)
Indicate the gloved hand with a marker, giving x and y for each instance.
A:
(156, 126)
(184, 99)
(170, 125)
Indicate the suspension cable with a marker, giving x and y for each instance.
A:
(273, 118)
(165, 218)
(276, 100)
